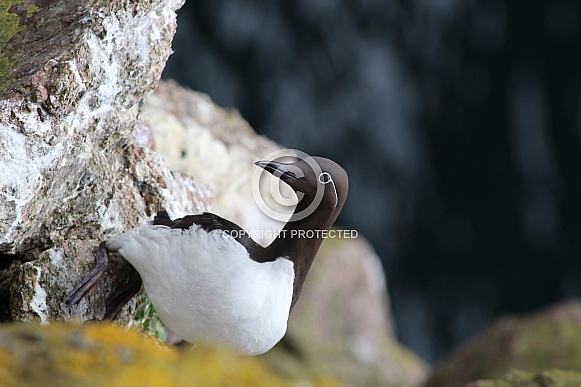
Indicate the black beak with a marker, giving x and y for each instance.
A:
(279, 170)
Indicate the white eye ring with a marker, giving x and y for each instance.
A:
(325, 178)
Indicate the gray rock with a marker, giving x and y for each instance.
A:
(69, 174)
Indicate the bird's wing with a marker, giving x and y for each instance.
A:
(211, 222)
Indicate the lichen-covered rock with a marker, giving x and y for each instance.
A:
(74, 75)
(81, 70)
(108, 355)
(550, 378)
(541, 341)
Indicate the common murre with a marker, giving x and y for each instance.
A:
(210, 283)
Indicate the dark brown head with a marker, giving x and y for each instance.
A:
(320, 184)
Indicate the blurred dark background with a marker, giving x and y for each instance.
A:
(458, 121)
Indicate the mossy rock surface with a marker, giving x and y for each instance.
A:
(550, 339)
(67, 354)
(549, 378)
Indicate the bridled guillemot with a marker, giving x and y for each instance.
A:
(210, 283)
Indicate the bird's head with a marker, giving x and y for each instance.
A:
(320, 183)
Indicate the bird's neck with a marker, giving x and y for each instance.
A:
(299, 242)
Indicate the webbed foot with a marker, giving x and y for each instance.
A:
(81, 290)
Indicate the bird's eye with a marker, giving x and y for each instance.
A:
(325, 177)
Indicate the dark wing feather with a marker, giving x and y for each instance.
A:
(211, 222)
(162, 218)
(123, 294)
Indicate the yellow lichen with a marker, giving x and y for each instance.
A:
(105, 354)
(7, 362)
(75, 363)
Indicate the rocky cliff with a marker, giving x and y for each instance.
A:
(86, 151)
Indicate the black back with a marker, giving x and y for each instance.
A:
(211, 222)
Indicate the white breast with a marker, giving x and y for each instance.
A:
(206, 288)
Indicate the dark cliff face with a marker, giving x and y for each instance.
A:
(458, 124)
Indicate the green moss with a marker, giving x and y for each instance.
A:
(146, 319)
(30, 10)
(9, 26)
(9, 22)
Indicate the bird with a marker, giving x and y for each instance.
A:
(209, 281)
